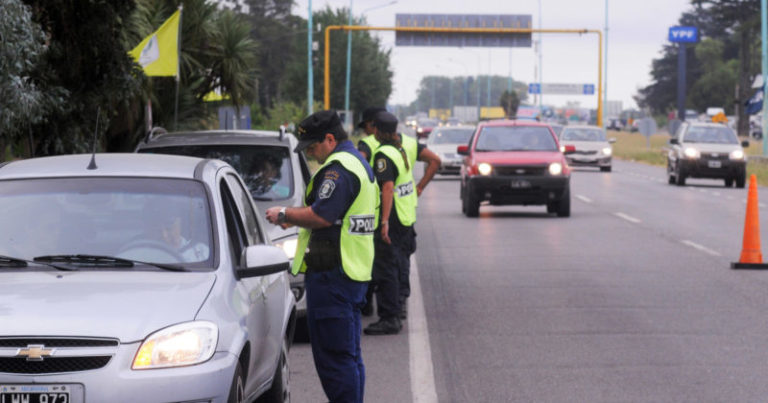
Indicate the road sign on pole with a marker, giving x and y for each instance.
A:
(683, 34)
(561, 89)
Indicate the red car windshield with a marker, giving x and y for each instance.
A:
(515, 138)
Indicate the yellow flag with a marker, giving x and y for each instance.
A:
(158, 53)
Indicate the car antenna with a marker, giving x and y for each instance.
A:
(92, 165)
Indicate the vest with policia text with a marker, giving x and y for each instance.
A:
(373, 144)
(357, 225)
(405, 190)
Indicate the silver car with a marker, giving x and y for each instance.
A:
(592, 148)
(138, 278)
(274, 174)
(443, 142)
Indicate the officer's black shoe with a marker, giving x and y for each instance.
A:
(367, 309)
(384, 326)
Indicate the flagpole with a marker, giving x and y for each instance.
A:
(178, 76)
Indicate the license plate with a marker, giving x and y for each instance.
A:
(41, 393)
(714, 164)
(520, 184)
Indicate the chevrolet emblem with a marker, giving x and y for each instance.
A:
(35, 352)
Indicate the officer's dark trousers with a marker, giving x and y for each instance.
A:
(333, 318)
(386, 275)
(405, 245)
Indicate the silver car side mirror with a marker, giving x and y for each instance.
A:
(261, 260)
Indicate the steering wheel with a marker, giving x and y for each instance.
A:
(175, 256)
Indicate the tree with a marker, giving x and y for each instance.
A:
(22, 102)
(509, 101)
(371, 76)
(718, 79)
(438, 92)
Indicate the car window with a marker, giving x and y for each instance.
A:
(450, 136)
(238, 239)
(515, 138)
(155, 220)
(240, 195)
(710, 134)
(582, 134)
(266, 170)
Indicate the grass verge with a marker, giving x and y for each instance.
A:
(638, 148)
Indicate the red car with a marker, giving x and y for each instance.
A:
(515, 162)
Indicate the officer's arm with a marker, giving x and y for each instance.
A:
(302, 216)
(433, 164)
(387, 198)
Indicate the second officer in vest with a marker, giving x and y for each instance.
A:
(335, 251)
(397, 216)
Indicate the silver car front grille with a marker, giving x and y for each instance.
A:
(54, 355)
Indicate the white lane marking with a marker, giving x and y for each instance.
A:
(422, 372)
(585, 199)
(700, 247)
(730, 197)
(761, 205)
(628, 218)
(716, 193)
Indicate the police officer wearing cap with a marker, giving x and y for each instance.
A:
(335, 251)
(368, 144)
(397, 216)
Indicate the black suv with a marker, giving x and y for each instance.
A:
(274, 174)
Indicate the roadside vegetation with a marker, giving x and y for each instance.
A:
(634, 147)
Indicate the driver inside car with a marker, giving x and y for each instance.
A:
(171, 234)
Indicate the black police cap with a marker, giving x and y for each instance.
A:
(315, 126)
(369, 114)
(386, 122)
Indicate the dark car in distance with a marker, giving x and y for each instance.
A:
(513, 162)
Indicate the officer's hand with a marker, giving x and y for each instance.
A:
(272, 214)
(385, 233)
(419, 189)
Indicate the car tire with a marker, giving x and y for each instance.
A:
(280, 391)
(237, 389)
(564, 205)
(551, 208)
(741, 181)
(605, 169)
(679, 178)
(472, 204)
(728, 182)
(301, 332)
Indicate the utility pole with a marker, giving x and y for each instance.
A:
(310, 80)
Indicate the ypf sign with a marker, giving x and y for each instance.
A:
(683, 34)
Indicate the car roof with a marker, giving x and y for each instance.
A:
(256, 137)
(581, 127)
(509, 122)
(707, 124)
(108, 165)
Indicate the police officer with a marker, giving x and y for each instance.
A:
(397, 215)
(368, 144)
(335, 251)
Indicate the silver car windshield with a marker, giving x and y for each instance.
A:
(266, 170)
(714, 135)
(153, 220)
(515, 138)
(450, 136)
(579, 134)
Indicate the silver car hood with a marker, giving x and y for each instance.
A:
(586, 145)
(124, 305)
(444, 148)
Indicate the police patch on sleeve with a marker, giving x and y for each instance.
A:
(381, 165)
(326, 189)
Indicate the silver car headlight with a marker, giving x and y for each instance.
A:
(289, 247)
(737, 155)
(180, 345)
(555, 168)
(691, 153)
(607, 151)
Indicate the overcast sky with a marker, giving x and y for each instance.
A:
(637, 31)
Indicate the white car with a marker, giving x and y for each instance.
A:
(138, 278)
(592, 147)
(443, 142)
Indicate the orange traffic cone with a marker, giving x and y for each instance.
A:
(751, 257)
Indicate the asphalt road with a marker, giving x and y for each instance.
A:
(631, 299)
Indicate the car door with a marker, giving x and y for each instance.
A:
(251, 289)
(267, 293)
